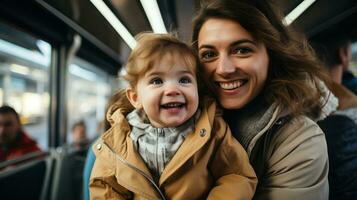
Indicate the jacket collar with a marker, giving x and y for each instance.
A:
(251, 121)
(141, 126)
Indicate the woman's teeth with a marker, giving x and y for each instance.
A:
(231, 85)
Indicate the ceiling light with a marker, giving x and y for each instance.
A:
(297, 11)
(20, 69)
(154, 16)
(23, 53)
(115, 22)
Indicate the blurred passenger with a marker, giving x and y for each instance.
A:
(337, 55)
(348, 78)
(341, 126)
(14, 142)
(79, 135)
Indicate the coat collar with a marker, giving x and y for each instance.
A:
(141, 126)
(252, 121)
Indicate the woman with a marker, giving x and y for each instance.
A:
(266, 80)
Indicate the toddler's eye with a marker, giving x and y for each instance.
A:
(185, 80)
(156, 81)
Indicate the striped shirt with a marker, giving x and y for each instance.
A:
(156, 146)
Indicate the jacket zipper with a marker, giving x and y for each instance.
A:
(156, 187)
(157, 150)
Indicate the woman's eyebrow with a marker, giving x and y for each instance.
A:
(238, 42)
(206, 46)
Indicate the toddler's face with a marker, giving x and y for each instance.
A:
(167, 93)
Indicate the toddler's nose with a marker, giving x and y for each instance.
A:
(172, 90)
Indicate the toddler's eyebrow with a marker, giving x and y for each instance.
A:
(154, 73)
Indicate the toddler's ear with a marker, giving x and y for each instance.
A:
(133, 98)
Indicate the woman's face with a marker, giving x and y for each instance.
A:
(233, 60)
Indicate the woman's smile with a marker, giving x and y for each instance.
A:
(231, 85)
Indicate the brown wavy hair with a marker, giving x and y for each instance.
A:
(294, 71)
(150, 49)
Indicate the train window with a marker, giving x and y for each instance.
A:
(88, 91)
(24, 80)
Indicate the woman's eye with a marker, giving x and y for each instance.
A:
(156, 81)
(241, 50)
(207, 55)
(185, 80)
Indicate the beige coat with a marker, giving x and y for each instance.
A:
(210, 164)
(296, 161)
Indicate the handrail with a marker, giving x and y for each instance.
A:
(24, 158)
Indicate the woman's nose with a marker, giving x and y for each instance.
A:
(225, 66)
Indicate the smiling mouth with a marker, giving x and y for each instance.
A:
(232, 85)
(173, 105)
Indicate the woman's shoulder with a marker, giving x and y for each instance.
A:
(299, 134)
(289, 135)
(296, 158)
(298, 129)
(304, 124)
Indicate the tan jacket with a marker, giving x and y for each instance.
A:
(296, 160)
(210, 164)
